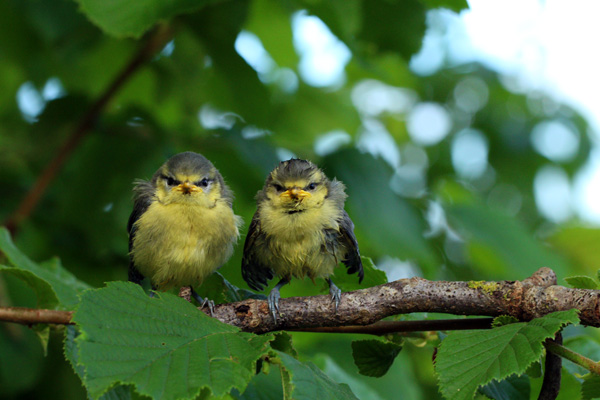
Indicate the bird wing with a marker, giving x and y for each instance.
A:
(142, 201)
(255, 273)
(346, 237)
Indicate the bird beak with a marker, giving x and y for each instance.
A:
(187, 188)
(295, 194)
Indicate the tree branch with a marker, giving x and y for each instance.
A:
(552, 372)
(360, 311)
(525, 300)
(30, 316)
(154, 44)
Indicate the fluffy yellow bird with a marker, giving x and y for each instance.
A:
(182, 227)
(300, 229)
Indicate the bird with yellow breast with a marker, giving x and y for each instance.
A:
(300, 229)
(182, 227)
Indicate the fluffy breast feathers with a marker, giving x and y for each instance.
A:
(298, 244)
(181, 244)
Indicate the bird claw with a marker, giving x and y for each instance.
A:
(336, 294)
(273, 301)
(210, 304)
(205, 302)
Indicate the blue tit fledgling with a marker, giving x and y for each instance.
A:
(182, 227)
(300, 229)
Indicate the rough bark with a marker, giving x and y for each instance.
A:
(525, 300)
(533, 297)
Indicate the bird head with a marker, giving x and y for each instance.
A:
(295, 186)
(189, 178)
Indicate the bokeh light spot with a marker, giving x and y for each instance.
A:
(552, 190)
(555, 140)
(428, 123)
(469, 153)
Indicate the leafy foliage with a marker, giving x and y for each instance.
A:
(374, 357)
(416, 212)
(469, 359)
(582, 282)
(503, 320)
(133, 18)
(304, 381)
(511, 388)
(283, 343)
(590, 389)
(55, 286)
(348, 282)
(164, 346)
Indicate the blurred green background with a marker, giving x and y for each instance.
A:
(440, 169)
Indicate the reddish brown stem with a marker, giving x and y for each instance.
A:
(154, 44)
(31, 316)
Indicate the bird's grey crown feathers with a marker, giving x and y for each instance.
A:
(294, 169)
(187, 163)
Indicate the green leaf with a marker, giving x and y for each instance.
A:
(512, 388)
(270, 21)
(46, 296)
(469, 359)
(582, 282)
(304, 381)
(283, 343)
(220, 290)
(132, 18)
(21, 360)
(590, 388)
(71, 350)
(262, 387)
(454, 5)
(534, 370)
(503, 320)
(348, 282)
(395, 226)
(360, 386)
(374, 357)
(55, 286)
(231, 78)
(162, 345)
(578, 244)
(498, 244)
(386, 23)
(584, 344)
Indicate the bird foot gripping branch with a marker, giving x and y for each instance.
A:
(533, 297)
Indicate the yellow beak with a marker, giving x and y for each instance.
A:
(187, 188)
(295, 194)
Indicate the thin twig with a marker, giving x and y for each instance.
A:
(32, 316)
(386, 327)
(154, 44)
(572, 356)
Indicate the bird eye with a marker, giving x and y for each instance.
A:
(312, 186)
(171, 181)
(277, 187)
(203, 183)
